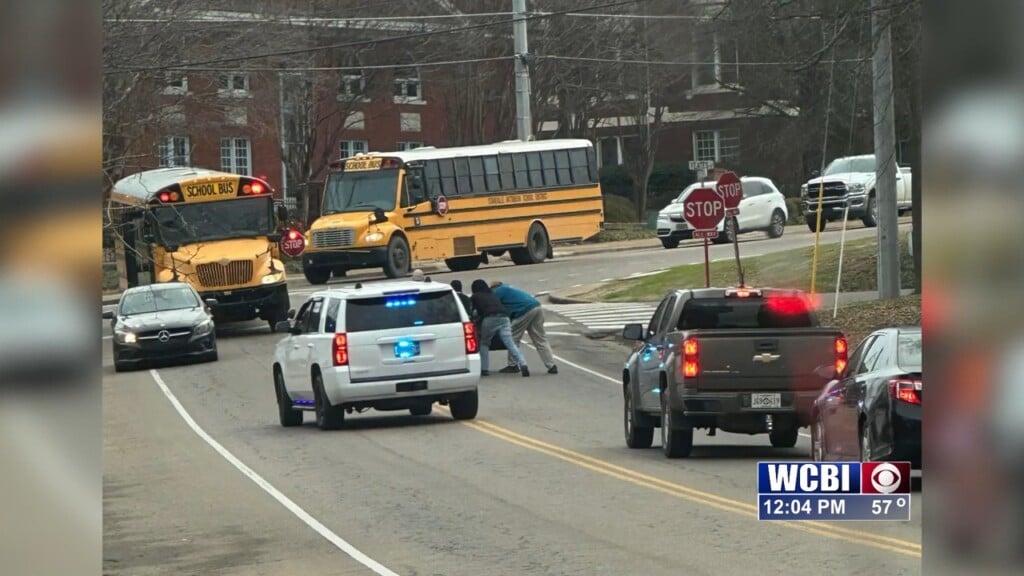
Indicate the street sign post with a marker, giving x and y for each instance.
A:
(701, 167)
(730, 187)
(293, 243)
(703, 209)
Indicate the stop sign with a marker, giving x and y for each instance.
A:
(703, 209)
(442, 205)
(293, 243)
(730, 188)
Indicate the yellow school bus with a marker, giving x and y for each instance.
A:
(215, 230)
(461, 205)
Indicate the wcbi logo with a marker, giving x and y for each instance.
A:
(833, 477)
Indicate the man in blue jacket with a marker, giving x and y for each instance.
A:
(527, 316)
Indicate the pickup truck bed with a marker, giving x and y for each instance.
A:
(743, 361)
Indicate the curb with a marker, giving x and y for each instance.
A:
(596, 250)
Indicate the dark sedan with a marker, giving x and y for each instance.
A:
(872, 410)
(160, 322)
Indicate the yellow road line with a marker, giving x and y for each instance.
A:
(897, 545)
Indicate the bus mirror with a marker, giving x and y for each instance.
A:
(379, 216)
(275, 237)
(282, 212)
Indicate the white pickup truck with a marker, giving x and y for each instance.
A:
(850, 181)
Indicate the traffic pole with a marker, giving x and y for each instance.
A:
(839, 273)
(736, 247)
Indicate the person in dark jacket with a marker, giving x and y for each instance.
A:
(493, 318)
(466, 302)
(527, 316)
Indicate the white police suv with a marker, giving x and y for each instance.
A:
(387, 346)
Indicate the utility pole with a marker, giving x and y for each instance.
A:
(524, 120)
(885, 153)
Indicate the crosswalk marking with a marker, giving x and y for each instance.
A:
(604, 316)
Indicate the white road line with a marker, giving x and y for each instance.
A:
(583, 368)
(107, 337)
(294, 508)
(544, 293)
(607, 280)
(563, 334)
(574, 285)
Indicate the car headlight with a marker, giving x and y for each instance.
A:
(125, 337)
(373, 236)
(273, 278)
(803, 191)
(204, 328)
(856, 188)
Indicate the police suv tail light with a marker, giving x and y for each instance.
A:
(691, 360)
(905, 390)
(339, 350)
(472, 344)
(841, 350)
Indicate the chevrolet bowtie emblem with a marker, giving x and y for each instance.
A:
(766, 358)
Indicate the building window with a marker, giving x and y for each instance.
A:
(234, 84)
(719, 146)
(352, 85)
(355, 121)
(237, 116)
(174, 151)
(408, 87)
(173, 114)
(409, 122)
(714, 60)
(236, 156)
(408, 145)
(175, 83)
(353, 147)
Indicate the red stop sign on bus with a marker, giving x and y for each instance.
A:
(703, 209)
(442, 205)
(730, 187)
(293, 243)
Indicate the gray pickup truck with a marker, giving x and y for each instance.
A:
(742, 360)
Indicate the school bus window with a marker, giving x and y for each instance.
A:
(491, 170)
(462, 176)
(595, 175)
(522, 170)
(476, 172)
(508, 181)
(447, 176)
(550, 178)
(580, 168)
(360, 191)
(433, 175)
(536, 170)
(564, 170)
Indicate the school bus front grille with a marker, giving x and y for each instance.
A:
(333, 238)
(232, 273)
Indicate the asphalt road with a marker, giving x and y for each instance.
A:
(200, 479)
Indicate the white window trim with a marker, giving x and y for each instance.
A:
(167, 142)
(230, 91)
(404, 81)
(175, 90)
(233, 169)
(718, 146)
(405, 145)
(345, 153)
(352, 124)
(346, 95)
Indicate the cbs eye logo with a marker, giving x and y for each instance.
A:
(886, 478)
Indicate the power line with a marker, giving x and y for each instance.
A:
(367, 42)
(291, 20)
(342, 68)
(678, 63)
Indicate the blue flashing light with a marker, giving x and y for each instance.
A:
(400, 302)
(303, 402)
(406, 348)
(418, 323)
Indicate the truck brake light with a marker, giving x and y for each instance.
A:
(691, 361)
(472, 344)
(742, 293)
(841, 350)
(339, 350)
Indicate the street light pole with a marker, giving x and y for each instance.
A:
(524, 119)
(885, 153)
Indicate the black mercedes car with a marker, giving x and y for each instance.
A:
(872, 410)
(161, 321)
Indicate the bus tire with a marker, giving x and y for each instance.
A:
(536, 249)
(463, 263)
(317, 275)
(398, 260)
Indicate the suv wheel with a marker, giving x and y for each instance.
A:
(812, 223)
(327, 417)
(286, 411)
(637, 437)
(778, 225)
(784, 437)
(871, 214)
(464, 407)
(670, 242)
(674, 443)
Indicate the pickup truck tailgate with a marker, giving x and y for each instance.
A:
(750, 360)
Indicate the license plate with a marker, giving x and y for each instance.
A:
(766, 400)
(407, 349)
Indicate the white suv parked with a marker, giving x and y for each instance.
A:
(763, 208)
(387, 346)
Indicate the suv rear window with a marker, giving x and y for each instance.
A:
(401, 311)
(741, 313)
